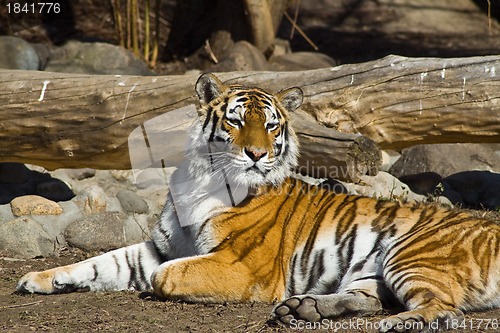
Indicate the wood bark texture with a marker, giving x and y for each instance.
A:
(68, 120)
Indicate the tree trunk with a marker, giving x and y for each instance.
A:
(68, 120)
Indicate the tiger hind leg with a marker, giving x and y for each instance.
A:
(438, 278)
(432, 318)
(432, 300)
(128, 268)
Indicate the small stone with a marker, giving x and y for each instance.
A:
(121, 175)
(131, 202)
(34, 205)
(93, 199)
(25, 238)
(80, 174)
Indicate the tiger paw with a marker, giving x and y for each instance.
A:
(420, 321)
(297, 308)
(46, 282)
(401, 324)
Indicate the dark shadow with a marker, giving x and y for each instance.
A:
(367, 42)
(60, 26)
(467, 189)
(422, 183)
(473, 189)
(17, 180)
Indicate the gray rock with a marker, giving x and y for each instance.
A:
(54, 225)
(5, 214)
(278, 47)
(95, 58)
(131, 202)
(43, 52)
(55, 190)
(99, 232)
(114, 205)
(25, 238)
(243, 56)
(137, 229)
(17, 54)
(301, 61)
(446, 159)
(80, 174)
(152, 178)
(154, 197)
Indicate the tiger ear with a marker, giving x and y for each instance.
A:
(208, 88)
(290, 98)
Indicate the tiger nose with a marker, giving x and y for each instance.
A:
(255, 155)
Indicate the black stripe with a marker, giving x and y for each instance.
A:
(267, 102)
(142, 273)
(131, 280)
(317, 271)
(208, 115)
(218, 138)
(214, 126)
(371, 277)
(96, 273)
(117, 263)
(163, 257)
(291, 281)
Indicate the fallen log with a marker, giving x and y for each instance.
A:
(67, 120)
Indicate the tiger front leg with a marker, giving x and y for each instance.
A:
(126, 268)
(212, 278)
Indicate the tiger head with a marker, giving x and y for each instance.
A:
(246, 131)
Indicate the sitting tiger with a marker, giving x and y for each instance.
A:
(317, 253)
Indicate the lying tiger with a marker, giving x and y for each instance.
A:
(319, 254)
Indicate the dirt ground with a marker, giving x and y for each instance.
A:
(141, 312)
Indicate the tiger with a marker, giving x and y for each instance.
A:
(314, 253)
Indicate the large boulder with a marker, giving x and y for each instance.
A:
(95, 58)
(25, 238)
(446, 159)
(17, 54)
(106, 231)
(242, 56)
